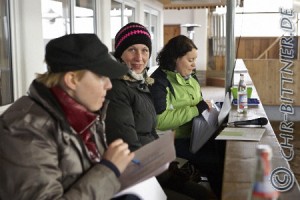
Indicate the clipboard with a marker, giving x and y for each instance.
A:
(205, 126)
(154, 159)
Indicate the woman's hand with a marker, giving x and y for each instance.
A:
(209, 103)
(119, 154)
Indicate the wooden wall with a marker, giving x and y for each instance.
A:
(265, 72)
(171, 31)
(252, 47)
(265, 75)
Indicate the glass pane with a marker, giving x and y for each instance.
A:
(115, 20)
(154, 38)
(55, 18)
(129, 15)
(84, 16)
(147, 24)
(6, 91)
(147, 20)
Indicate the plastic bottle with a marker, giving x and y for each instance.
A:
(262, 188)
(242, 100)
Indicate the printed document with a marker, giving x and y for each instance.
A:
(253, 134)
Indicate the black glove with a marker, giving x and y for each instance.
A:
(202, 105)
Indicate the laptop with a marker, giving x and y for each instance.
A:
(206, 125)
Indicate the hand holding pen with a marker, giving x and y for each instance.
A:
(136, 161)
(119, 154)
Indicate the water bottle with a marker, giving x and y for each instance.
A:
(262, 188)
(242, 99)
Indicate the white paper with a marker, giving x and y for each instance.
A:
(226, 107)
(211, 116)
(149, 189)
(253, 134)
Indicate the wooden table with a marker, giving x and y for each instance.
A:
(240, 156)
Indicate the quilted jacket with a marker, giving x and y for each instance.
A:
(42, 157)
(131, 114)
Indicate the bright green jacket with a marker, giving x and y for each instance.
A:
(181, 98)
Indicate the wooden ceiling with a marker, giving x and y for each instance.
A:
(195, 4)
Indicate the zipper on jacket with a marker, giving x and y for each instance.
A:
(101, 123)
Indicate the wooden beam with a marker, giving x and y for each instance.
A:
(264, 54)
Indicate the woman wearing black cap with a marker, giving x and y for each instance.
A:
(52, 142)
(131, 114)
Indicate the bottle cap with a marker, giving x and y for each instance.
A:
(264, 149)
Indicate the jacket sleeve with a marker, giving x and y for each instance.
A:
(120, 117)
(202, 105)
(32, 166)
(172, 118)
(167, 116)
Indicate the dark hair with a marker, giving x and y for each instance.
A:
(175, 48)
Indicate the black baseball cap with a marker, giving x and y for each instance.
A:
(82, 52)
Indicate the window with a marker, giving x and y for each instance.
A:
(121, 13)
(55, 19)
(6, 86)
(62, 17)
(84, 16)
(151, 23)
(115, 20)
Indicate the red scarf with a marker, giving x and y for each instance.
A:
(79, 118)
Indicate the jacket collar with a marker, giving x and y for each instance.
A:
(179, 78)
(142, 78)
(44, 96)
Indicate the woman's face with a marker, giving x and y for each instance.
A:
(90, 90)
(136, 57)
(187, 63)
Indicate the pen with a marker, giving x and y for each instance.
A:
(136, 161)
